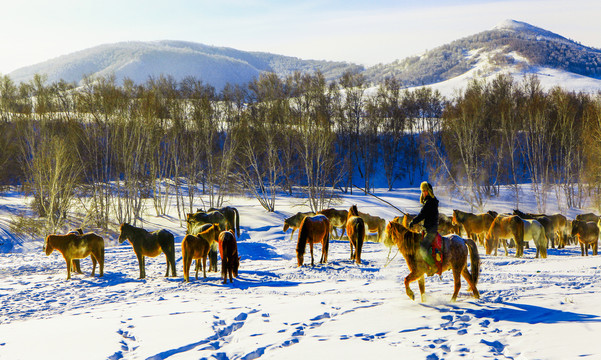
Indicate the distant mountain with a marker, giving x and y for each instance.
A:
(511, 46)
(141, 60)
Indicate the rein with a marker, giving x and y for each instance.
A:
(379, 198)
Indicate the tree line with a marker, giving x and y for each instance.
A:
(113, 149)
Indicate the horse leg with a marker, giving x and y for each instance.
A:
(197, 266)
(204, 266)
(341, 235)
(422, 287)
(311, 249)
(186, 264)
(352, 249)
(413, 275)
(457, 281)
(224, 270)
(504, 242)
(93, 264)
(292, 234)
(470, 282)
(141, 264)
(68, 260)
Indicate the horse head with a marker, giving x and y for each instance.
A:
(47, 248)
(123, 232)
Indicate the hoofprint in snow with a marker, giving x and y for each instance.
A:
(529, 308)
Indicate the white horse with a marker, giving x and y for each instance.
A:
(533, 230)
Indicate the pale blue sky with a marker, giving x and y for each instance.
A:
(365, 32)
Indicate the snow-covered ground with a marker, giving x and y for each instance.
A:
(529, 308)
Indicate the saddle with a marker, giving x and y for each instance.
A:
(437, 253)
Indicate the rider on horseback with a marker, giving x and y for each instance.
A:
(428, 213)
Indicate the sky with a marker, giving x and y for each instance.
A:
(362, 32)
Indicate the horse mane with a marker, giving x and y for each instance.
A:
(353, 211)
(406, 241)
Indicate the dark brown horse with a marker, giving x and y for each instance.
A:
(587, 234)
(355, 229)
(313, 230)
(473, 224)
(150, 244)
(505, 227)
(197, 248)
(76, 246)
(232, 217)
(454, 257)
(230, 261)
(337, 219)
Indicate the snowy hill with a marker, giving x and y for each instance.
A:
(511, 46)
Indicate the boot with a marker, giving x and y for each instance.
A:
(427, 255)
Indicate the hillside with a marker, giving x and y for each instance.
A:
(511, 46)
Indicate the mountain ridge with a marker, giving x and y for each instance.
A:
(511, 45)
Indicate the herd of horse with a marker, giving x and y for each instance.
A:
(216, 230)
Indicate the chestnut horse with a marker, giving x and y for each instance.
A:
(230, 261)
(355, 229)
(294, 221)
(587, 234)
(337, 219)
(75, 246)
(505, 227)
(150, 244)
(473, 224)
(197, 248)
(313, 230)
(454, 257)
(195, 223)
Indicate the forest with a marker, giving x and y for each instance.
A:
(109, 149)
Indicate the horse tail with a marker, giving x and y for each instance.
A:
(360, 230)
(237, 222)
(303, 234)
(474, 259)
(326, 244)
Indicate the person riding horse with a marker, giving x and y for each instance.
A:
(429, 214)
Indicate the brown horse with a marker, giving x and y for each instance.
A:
(75, 246)
(313, 230)
(587, 234)
(373, 223)
(294, 221)
(587, 217)
(533, 230)
(197, 248)
(505, 227)
(473, 224)
(454, 257)
(150, 244)
(446, 226)
(355, 229)
(337, 219)
(230, 261)
(231, 216)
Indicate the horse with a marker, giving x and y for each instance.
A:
(473, 224)
(446, 226)
(588, 217)
(505, 227)
(313, 230)
(294, 221)
(75, 246)
(197, 248)
(373, 223)
(355, 229)
(151, 244)
(337, 219)
(555, 226)
(533, 230)
(231, 216)
(587, 234)
(454, 257)
(194, 225)
(230, 261)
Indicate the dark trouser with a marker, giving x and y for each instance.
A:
(426, 243)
